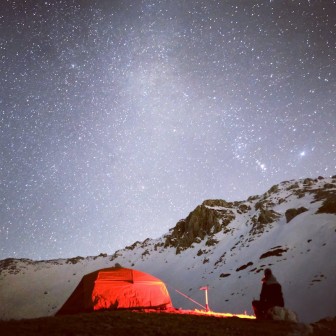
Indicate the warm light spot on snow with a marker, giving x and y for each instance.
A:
(211, 313)
(199, 313)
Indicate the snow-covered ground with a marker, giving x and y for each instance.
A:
(300, 253)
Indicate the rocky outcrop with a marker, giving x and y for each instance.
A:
(291, 213)
(328, 196)
(276, 251)
(217, 203)
(207, 219)
(265, 217)
(215, 215)
(328, 206)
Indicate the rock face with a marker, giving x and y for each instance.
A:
(267, 216)
(215, 215)
(207, 219)
(329, 205)
(291, 213)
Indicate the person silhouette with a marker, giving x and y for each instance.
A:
(270, 295)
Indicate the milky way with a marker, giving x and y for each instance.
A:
(119, 117)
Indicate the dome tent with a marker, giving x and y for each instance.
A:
(117, 288)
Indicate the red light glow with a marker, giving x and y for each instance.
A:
(211, 313)
(201, 313)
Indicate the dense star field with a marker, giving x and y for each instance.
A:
(118, 117)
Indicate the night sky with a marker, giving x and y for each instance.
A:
(119, 117)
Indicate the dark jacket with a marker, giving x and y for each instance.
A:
(271, 292)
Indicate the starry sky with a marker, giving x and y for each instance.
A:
(119, 117)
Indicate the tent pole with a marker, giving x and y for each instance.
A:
(205, 288)
(206, 300)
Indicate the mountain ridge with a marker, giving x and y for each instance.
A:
(225, 245)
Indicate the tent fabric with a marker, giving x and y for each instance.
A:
(117, 288)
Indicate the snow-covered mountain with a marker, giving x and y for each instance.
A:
(225, 245)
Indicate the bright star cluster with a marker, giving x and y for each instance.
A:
(118, 117)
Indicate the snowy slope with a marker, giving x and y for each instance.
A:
(225, 245)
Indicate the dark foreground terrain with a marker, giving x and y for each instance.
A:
(141, 323)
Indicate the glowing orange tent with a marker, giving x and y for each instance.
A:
(117, 288)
